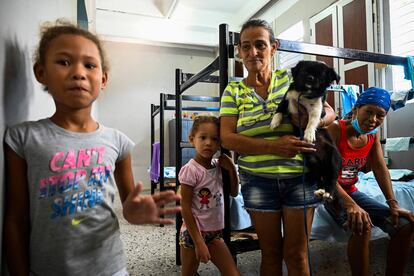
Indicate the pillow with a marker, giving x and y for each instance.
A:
(396, 174)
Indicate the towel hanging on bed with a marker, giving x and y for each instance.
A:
(155, 162)
(409, 70)
(399, 98)
(397, 144)
(349, 97)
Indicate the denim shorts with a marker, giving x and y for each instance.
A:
(268, 194)
(379, 213)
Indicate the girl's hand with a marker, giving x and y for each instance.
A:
(397, 211)
(289, 146)
(202, 253)
(225, 162)
(147, 209)
(358, 219)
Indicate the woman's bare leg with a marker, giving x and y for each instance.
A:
(295, 250)
(268, 228)
(399, 251)
(358, 253)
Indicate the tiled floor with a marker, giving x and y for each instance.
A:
(151, 251)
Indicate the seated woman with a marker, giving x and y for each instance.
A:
(357, 141)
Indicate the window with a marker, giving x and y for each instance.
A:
(402, 38)
(294, 33)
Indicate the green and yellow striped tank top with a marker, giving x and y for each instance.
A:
(254, 117)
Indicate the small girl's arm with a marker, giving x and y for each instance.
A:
(16, 220)
(138, 209)
(227, 164)
(186, 200)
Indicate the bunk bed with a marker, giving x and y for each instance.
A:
(227, 42)
(163, 179)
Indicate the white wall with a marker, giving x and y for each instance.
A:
(400, 124)
(20, 97)
(138, 74)
(20, 33)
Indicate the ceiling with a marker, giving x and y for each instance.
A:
(184, 23)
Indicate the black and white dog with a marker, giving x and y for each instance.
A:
(310, 80)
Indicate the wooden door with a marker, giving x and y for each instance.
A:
(355, 31)
(346, 24)
(323, 27)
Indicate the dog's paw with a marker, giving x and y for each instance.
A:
(319, 193)
(323, 195)
(277, 119)
(309, 136)
(327, 197)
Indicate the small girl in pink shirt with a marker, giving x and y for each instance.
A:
(202, 203)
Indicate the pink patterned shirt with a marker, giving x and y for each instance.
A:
(208, 205)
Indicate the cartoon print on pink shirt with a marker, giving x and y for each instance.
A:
(204, 194)
(218, 197)
(76, 182)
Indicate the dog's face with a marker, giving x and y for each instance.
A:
(312, 78)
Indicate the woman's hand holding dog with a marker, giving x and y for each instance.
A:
(301, 119)
(289, 146)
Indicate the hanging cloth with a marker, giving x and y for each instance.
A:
(348, 97)
(399, 98)
(409, 70)
(155, 162)
(397, 144)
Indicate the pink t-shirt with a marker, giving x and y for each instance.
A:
(208, 204)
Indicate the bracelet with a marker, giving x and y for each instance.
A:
(391, 200)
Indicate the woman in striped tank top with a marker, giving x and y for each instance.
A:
(275, 184)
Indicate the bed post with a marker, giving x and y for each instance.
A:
(162, 148)
(223, 73)
(223, 56)
(152, 143)
(178, 129)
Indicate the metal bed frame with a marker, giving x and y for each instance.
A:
(160, 109)
(227, 41)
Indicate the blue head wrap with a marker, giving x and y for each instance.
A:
(376, 96)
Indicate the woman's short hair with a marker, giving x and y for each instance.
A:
(259, 23)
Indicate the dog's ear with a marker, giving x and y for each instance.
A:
(295, 70)
(333, 76)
